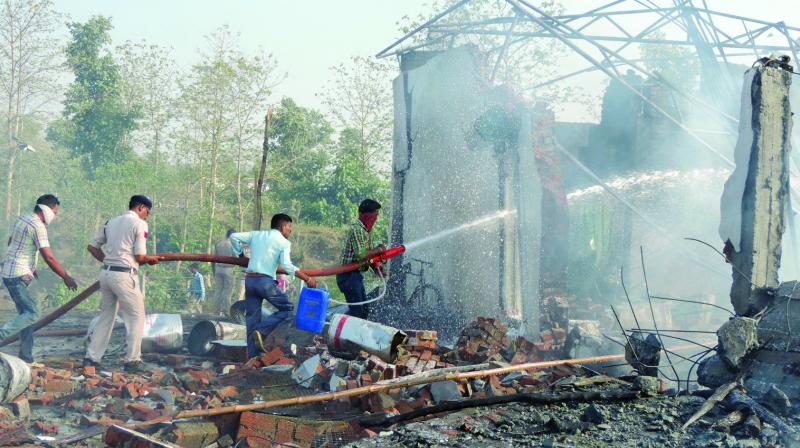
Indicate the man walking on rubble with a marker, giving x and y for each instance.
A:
(28, 239)
(268, 250)
(125, 238)
(358, 247)
(223, 276)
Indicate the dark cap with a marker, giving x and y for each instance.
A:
(140, 199)
(369, 206)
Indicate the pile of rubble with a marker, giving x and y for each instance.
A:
(65, 402)
(362, 395)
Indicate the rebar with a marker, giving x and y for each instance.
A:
(695, 302)
(630, 304)
(653, 314)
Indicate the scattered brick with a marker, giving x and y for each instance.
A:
(45, 428)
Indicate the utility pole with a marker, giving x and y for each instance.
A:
(259, 215)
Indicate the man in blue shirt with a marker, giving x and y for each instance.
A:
(268, 250)
(197, 288)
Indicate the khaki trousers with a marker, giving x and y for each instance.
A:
(121, 293)
(223, 289)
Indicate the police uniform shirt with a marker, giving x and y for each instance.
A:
(125, 236)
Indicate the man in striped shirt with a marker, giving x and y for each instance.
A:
(28, 239)
(358, 247)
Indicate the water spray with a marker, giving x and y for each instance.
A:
(377, 261)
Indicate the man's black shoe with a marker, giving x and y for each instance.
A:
(134, 367)
(89, 363)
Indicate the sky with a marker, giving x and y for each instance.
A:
(308, 37)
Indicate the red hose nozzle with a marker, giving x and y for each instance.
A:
(387, 254)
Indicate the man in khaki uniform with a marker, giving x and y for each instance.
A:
(125, 238)
(223, 277)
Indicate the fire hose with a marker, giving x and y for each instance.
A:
(239, 261)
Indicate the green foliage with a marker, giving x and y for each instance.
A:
(134, 124)
(678, 66)
(95, 122)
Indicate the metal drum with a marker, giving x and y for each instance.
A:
(206, 331)
(162, 333)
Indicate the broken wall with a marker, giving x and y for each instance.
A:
(450, 175)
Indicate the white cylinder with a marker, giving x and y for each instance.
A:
(15, 376)
(348, 334)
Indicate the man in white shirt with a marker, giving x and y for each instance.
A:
(125, 238)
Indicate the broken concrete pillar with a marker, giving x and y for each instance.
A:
(737, 338)
(755, 198)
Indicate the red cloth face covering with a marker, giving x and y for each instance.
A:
(368, 219)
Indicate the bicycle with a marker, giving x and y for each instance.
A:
(426, 298)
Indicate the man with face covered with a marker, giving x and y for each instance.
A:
(29, 239)
(358, 247)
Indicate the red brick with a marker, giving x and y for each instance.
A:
(46, 428)
(131, 390)
(285, 431)
(264, 423)
(367, 433)
(59, 386)
(425, 394)
(227, 392)
(43, 399)
(199, 376)
(258, 442)
(143, 412)
(304, 435)
(404, 406)
(114, 393)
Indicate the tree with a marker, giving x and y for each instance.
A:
(676, 65)
(359, 98)
(253, 80)
(148, 88)
(353, 181)
(299, 171)
(30, 62)
(222, 101)
(95, 122)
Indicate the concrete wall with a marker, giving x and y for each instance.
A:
(453, 179)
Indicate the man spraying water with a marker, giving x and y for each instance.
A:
(357, 248)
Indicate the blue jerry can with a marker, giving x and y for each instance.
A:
(311, 309)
